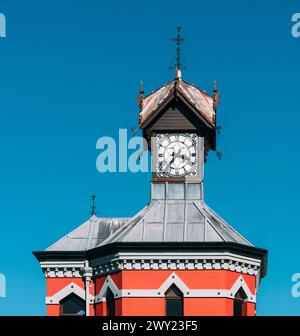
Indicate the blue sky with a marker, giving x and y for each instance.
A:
(69, 74)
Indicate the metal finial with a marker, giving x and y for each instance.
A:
(142, 88)
(178, 57)
(93, 206)
(215, 86)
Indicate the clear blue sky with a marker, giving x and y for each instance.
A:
(70, 72)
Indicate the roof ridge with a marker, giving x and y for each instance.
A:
(212, 224)
(123, 229)
(212, 213)
(151, 93)
(201, 92)
(196, 87)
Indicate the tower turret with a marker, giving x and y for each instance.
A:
(176, 256)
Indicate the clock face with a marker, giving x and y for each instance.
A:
(176, 155)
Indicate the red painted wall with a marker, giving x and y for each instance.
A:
(54, 285)
(53, 310)
(208, 307)
(153, 279)
(143, 306)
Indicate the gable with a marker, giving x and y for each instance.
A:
(194, 98)
(176, 115)
(172, 118)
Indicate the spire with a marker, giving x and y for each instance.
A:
(178, 64)
(93, 206)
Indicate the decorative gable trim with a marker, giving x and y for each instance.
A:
(241, 283)
(109, 283)
(186, 291)
(173, 279)
(71, 288)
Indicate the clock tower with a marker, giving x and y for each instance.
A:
(176, 256)
(179, 122)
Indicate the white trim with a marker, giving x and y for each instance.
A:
(175, 279)
(154, 261)
(241, 283)
(67, 290)
(175, 261)
(62, 269)
(109, 283)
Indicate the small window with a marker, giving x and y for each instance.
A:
(110, 303)
(239, 304)
(72, 305)
(174, 302)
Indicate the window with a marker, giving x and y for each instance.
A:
(239, 304)
(72, 305)
(174, 302)
(110, 303)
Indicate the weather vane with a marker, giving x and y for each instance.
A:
(179, 64)
(93, 206)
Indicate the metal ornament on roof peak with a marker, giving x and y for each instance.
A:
(177, 74)
(178, 39)
(93, 206)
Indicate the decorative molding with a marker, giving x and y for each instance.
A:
(57, 269)
(176, 261)
(71, 288)
(173, 279)
(186, 291)
(154, 261)
(160, 292)
(109, 283)
(241, 283)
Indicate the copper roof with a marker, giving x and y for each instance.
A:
(201, 101)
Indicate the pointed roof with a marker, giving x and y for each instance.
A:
(202, 102)
(180, 221)
(160, 221)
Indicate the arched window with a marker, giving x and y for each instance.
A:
(72, 305)
(174, 302)
(239, 304)
(110, 303)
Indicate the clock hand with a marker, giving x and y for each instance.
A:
(167, 168)
(177, 155)
(187, 159)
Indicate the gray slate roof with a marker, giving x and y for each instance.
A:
(88, 235)
(160, 221)
(176, 221)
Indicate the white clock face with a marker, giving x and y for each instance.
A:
(176, 155)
